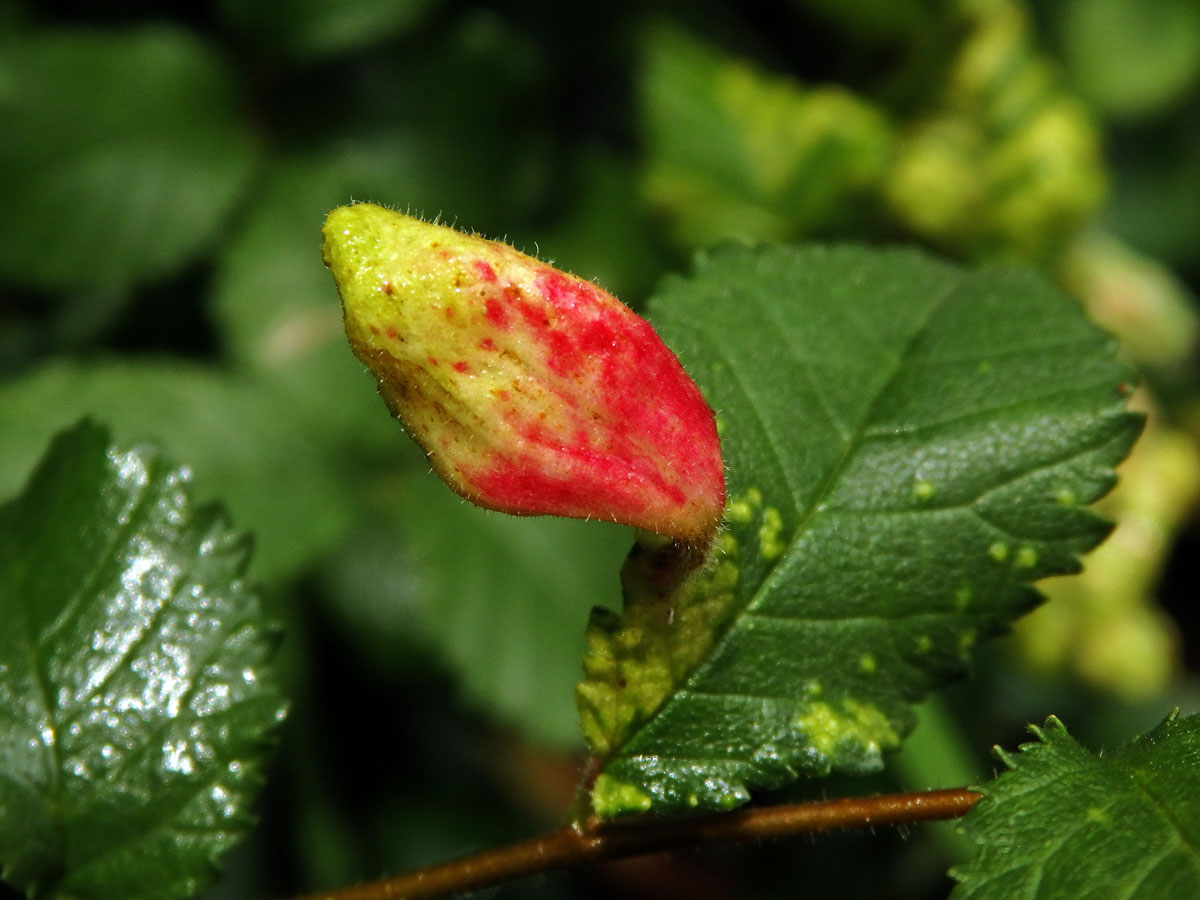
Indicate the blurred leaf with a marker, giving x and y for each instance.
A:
(123, 155)
(306, 29)
(1131, 58)
(1063, 824)
(277, 305)
(506, 600)
(244, 442)
(373, 589)
(909, 446)
(460, 81)
(936, 189)
(734, 153)
(605, 235)
(14, 19)
(136, 698)
(502, 600)
(1156, 197)
(936, 753)
(1106, 624)
(1136, 298)
(1006, 163)
(432, 131)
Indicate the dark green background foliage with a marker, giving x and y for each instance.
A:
(163, 176)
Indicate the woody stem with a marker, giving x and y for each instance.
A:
(571, 846)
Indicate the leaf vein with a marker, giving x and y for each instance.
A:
(1155, 862)
(889, 619)
(1015, 351)
(932, 506)
(106, 559)
(987, 414)
(851, 448)
(752, 404)
(738, 695)
(1165, 811)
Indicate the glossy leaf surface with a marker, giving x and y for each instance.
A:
(909, 445)
(136, 694)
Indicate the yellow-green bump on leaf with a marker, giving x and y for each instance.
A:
(741, 509)
(771, 542)
(611, 797)
(1026, 558)
(850, 723)
(634, 662)
(799, 646)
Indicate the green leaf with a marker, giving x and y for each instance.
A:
(276, 303)
(123, 155)
(909, 445)
(503, 599)
(733, 153)
(136, 695)
(1063, 823)
(498, 599)
(243, 440)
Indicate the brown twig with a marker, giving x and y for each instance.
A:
(570, 846)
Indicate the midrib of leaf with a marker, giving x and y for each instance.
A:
(646, 763)
(933, 507)
(120, 538)
(34, 645)
(1165, 811)
(854, 444)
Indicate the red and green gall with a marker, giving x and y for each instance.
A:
(532, 391)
